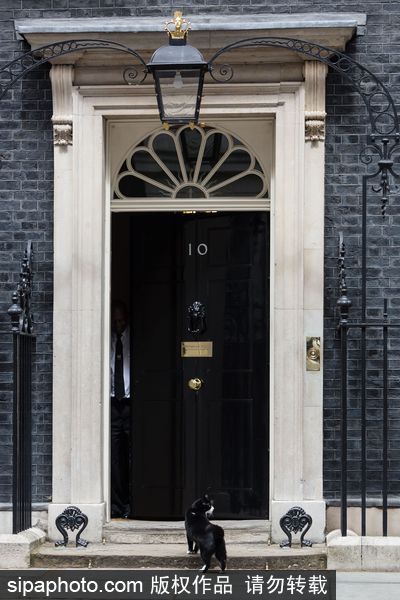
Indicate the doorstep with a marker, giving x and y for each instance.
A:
(137, 544)
(125, 531)
(257, 556)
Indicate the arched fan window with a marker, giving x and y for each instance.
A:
(190, 162)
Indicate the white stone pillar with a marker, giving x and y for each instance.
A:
(315, 77)
(61, 79)
(77, 380)
(299, 231)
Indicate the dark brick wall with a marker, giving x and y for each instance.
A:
(26, 212)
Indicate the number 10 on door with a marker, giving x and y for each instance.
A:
(201, 249)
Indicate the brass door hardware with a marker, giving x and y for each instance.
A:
(195, 384)
(192, 349)
(313, 360)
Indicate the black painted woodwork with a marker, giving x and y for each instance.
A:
(186, 442)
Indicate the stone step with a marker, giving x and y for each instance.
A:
(173, 556)
(120, 531)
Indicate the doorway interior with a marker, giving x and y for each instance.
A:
(197, 288)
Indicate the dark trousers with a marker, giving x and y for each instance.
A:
(120, 451)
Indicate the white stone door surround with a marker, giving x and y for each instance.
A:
(82, 284)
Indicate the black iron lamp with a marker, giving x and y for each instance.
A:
(178, 70)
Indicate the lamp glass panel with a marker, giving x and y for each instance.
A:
(179, 91)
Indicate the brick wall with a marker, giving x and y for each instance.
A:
(26, 212)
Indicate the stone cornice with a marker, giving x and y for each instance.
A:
(208, 33)
(254, 22)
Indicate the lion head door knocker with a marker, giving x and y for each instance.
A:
(196, 317)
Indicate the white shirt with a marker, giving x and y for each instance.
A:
(125, 338)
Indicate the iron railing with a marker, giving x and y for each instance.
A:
(23, 350)
(365, 386)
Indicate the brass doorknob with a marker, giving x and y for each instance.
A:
(195, 384)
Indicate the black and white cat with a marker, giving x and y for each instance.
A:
(203, 535)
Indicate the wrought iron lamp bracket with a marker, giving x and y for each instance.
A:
(379, 102)
(20, 66)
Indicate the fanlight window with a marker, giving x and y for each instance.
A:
(191, 162)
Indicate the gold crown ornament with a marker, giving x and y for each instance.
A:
(178, 27)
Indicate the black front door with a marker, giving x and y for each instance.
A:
(200, 339)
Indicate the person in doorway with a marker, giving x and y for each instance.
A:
(120, 410)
